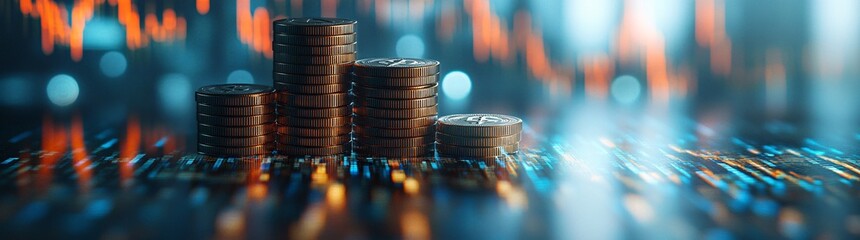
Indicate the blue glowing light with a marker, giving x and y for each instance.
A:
(113, 64)
(240, 76)
(410, 46)
(62, 90)
(626, 89)
(456, 85)
(176, 93)
(103, 34)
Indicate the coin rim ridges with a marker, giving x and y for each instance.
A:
(376, 132)
(222, 131)
(479, 131)
(314, 40)
(447, 139)
(234, 111)
(398, 93)
(308, 101)
(381, 71)
(313, 132)
(451, 150)
(394, 103)
(313, 141)
(393, 123)
(239, 121)
(389, 142)
(314, 122)
(396, 113)
(311, 79)
(313, 59)
(389, 82)
(284, 110)
(281, 26)
(314, 51)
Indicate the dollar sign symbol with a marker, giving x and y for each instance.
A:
(483, 119)
(234, 88)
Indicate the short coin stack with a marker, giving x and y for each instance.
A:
(395, 107)
(235, 120)
(478, 135)
(313, 58)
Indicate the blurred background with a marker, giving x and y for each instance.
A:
(564, 66)
(674, 118)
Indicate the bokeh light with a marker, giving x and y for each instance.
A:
(103, 33)
(626, 89)
(240, 76)
(410, 46)
(456, 85)
(63, 90)
(590, 25)
(15, 91)
(175, 93)
(113, 64)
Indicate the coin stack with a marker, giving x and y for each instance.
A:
(235, 120)
(313, 59)
(395, 107)
(478, 135)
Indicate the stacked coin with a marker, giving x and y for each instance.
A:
(235, 120)
(395, 107)
(313, 60)
(478, 135)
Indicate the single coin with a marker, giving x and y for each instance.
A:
(457, 151)
(393, 142)
(306, 40)
(313, 141)
(388, 93)
(312, 89)
(235, 141)
(479, 125)
(314, 26)
(315, 112)
(314, 101)
(477, 141)
(396, 113)
(249, 131)
(395, 103)
(393, 123)
(235, 121)
(235, 111)
(235, 95)
(388, 82)
(314, 122)
(234, 151)
(423, 151)
(311, 79)
(331, 69)
(313, 51)
(394, 133)
(396, 67)
(291, 150)
(314, 132)
(314, 60)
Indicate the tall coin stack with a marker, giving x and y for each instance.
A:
(394, 107)
(235, 120)
(313, 60)
(478, 135)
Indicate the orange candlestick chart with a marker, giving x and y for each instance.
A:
(495, 39)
